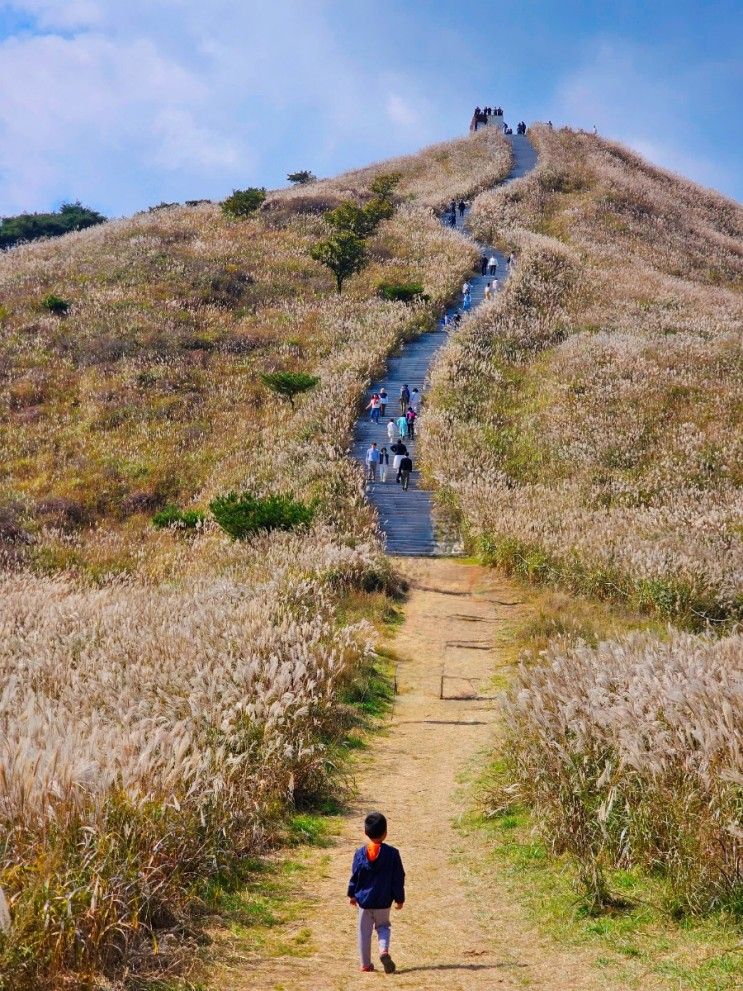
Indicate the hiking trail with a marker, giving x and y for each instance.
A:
(407, 518)
(460, 929)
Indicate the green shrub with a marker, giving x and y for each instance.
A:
(30, 226)
(289, 384)
(351, 219)
(55, 304)
(244, 514)
(188, 519)
(403, 292)
(302, 177)
(243, 202)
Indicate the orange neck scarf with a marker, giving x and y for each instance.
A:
(373, 850)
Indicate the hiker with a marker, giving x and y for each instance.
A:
(453, 218)
(549, 124)
(383, 397)
(465, 290)
(453, 206)
(467, 301)
(411, 416)
(402, 424)
(392, 432)
(462, 208)
(406, 467)
(494, 287)
(404, 398)
(483, 264)
(487, 290)
(457, 319)
(511, 259)
(415, 401)
(398, 451)
(492, 265)
(377, 880)
(384, 463)
(372, 460)
(374, 405)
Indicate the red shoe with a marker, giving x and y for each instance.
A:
(366, 970)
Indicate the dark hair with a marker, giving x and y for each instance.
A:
(375, 825)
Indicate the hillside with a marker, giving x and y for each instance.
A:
(600, 395)
(168, 695)
(175, 703)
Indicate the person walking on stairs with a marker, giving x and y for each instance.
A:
(462, 208)
(372, 460)
(384, 464)
(374, 405)
(483, 265)
(399, 451)
(492, 265)
(377, 880)
(404, 399)
(402, 425)
(383, 397)
(406, 468)
(411, 416)
(415, 401)
(392, 432)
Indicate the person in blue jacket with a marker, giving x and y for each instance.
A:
(377, 880)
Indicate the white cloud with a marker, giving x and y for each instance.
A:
(401, 112)
(114, 102)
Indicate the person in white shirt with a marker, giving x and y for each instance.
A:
(415, 401)
(392, 432)
(492, 265)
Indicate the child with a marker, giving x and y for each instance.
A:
(377, 880)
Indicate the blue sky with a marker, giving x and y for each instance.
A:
(125, 103)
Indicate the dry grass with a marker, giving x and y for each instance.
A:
(166, 697)
(630, 755)
(600, 395)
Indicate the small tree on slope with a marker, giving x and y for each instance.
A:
(344, 254)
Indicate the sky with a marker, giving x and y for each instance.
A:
(126, 103)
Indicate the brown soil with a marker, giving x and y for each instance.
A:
(459, 930)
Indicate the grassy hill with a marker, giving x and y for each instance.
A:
(169, 695)
(589, 418)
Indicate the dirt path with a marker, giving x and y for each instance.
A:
(458, 930)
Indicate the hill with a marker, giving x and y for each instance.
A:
(178, 690)
(600, 395)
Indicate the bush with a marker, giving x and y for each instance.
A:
(31, 226)
(244, 514)
(55, 304)
(289, 384)
(351, 219)
(172, 516)
(243, 202)
(302, 178)
(402, 292)
(344, 254)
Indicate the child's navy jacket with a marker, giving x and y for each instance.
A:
(377, 883)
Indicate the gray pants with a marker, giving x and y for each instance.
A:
(369, 919)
